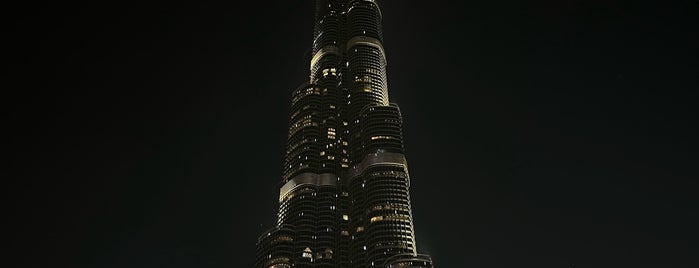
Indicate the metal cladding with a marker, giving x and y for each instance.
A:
(344, 199)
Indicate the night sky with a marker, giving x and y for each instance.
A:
(546, 134)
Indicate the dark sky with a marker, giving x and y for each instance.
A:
(546, 134)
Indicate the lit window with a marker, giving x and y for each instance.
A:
(377, 218)
(345, 217)
(283, 239)
(307, 255)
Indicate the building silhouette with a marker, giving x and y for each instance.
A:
(344, 198)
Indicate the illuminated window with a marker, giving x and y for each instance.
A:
(377, 218)
(307, 253)
(345, 217)
(282, 239)
(360, 229)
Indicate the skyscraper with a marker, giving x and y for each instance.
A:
(344, 197)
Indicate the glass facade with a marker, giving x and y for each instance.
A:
(344, 199)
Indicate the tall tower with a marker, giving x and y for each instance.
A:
(344, 197)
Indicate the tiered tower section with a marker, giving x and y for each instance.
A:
(344, 198)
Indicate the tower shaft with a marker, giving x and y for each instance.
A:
(344, 199)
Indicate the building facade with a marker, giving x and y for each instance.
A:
(344, 197)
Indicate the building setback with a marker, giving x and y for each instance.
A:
(344, 197)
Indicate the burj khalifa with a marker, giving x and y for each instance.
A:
(344, 198)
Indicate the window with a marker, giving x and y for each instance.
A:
(307, 253)
(282, 239)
